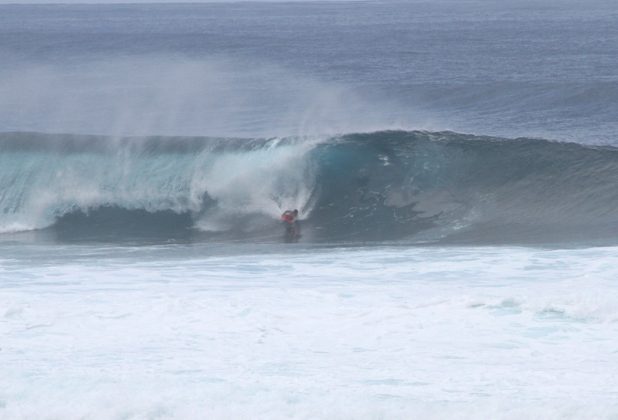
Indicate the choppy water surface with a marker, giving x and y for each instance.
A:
(365, 333)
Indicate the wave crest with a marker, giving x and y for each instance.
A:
(390, 185)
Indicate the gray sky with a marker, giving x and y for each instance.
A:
(141, 1)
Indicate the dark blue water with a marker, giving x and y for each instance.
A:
(486, 67)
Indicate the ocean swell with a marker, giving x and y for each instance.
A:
(383, 186)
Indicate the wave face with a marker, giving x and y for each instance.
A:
(383, 186)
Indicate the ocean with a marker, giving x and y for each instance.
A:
(454, 164)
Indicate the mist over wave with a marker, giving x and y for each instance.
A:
(390, 185)
(176, 95)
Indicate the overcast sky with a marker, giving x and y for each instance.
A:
(130, 1)
(141, 1)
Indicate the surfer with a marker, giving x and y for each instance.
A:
(290, 221)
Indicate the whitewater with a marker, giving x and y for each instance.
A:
(384, 332)
(454, 165)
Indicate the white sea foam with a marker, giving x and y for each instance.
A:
(42, 187)
(168, 332)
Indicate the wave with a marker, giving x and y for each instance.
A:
(412, 186)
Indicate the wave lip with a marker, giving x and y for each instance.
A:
(391, 185)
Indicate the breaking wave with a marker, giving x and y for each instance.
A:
(384, 186)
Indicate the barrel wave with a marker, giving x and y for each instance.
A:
(409, 186)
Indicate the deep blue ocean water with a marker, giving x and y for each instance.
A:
(523, 69)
